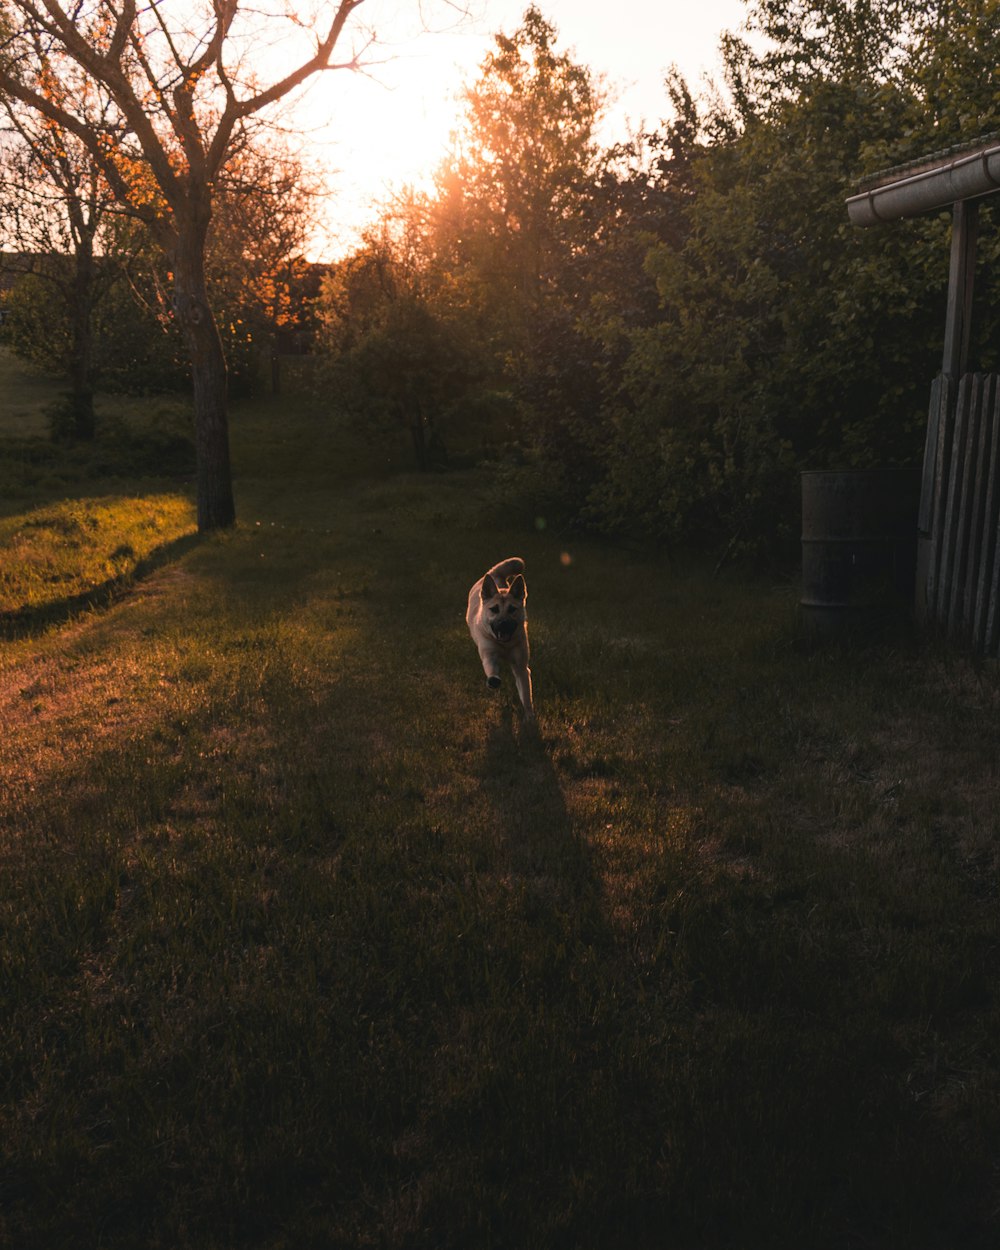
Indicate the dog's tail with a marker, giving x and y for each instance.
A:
(506, 569)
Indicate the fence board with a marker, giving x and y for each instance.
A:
(963, 504)
(952, 519)
(979, 544)
(978, 452)
(980, 580)
(942, 466)
(959, 517)
(939, 389)
(993, 594)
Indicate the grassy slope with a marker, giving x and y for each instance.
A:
(308, 943)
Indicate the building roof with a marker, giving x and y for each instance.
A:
(929, 183)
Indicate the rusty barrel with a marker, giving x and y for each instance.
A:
(859, 547)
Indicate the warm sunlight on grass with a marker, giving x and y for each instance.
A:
(54, 554)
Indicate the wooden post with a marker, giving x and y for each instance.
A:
(961, 280)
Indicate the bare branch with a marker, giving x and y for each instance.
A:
(123, 28)
(319, 61)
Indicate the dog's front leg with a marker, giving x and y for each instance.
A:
(491, 666)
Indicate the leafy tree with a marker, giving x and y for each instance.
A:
(785, 337)
(508, 210)
(395, 358)
(456, 310)
(266, 211)
(949, 74)
(689, 318)
(793, 45)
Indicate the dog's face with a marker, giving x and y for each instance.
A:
(503, 609)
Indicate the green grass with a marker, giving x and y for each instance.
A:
(70, 552)
(308, 942)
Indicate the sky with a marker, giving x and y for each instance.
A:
(390, 126)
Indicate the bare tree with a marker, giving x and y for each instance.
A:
(182, 96)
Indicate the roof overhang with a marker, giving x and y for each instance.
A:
(929, 185)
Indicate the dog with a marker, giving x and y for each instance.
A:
(498, 623)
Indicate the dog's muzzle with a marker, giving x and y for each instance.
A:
(503, 631)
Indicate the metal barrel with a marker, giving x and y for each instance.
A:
(859, 547)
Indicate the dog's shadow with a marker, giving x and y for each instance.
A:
(535, 833)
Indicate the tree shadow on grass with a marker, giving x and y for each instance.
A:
(26, 622)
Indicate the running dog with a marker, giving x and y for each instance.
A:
(498, 623)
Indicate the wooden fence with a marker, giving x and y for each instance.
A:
(959, 567)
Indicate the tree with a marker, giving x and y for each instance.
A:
(181, 102)
(784, 338)
(104, 318)
(799, 43)
(56, 203)
(457, 308)
(510, 194)
(395, 355)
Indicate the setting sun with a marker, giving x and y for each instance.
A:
(388, 127)
(376, 133)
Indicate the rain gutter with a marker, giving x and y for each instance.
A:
(963, 178)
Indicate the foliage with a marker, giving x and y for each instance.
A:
(393, 359)
(258, 281)
(56, 206)
(783, 337)
(687, 318)
(486, 260)
(134, 348)
(511, 192)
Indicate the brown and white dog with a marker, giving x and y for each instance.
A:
(498, 623)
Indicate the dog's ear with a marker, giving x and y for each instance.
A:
(489, 590)
(518, 589)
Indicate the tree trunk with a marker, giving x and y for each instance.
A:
(82, 352)
(216, 507)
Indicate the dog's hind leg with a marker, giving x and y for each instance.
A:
(522, 679)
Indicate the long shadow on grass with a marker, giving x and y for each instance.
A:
(25, 622)
(529, 814)
(531, 1100)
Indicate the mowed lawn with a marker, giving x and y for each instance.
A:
(308, 942)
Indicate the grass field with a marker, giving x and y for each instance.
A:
(308, 942)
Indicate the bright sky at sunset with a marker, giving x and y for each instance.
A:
(386, 128)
